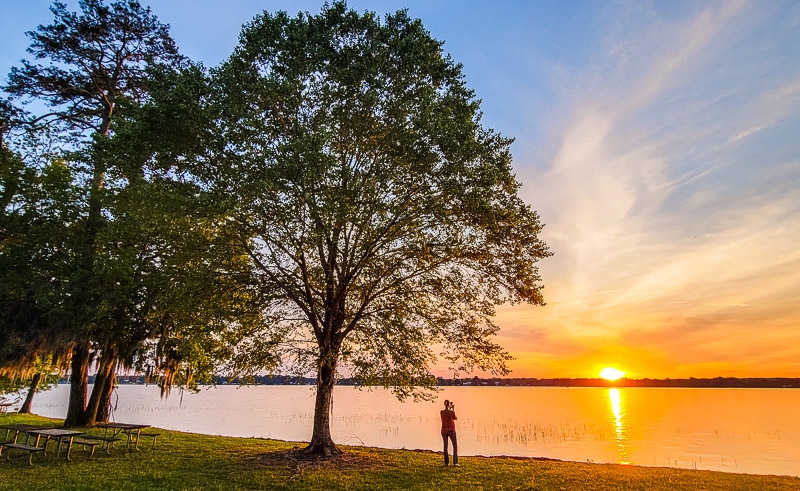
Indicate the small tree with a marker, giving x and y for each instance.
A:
(378, 212)
(43, 377)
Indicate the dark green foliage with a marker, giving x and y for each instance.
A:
(37, 237)
(200, 307)
(10, 385)
(380, 205)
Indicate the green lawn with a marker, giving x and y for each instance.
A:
(190, 461)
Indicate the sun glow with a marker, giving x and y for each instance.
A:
(611, 373)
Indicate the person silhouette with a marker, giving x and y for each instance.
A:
(449, 418)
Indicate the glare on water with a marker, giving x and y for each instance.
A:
(615, 397)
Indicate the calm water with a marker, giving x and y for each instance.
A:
(733, 430)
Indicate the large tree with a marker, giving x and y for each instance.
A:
(95, 63)
(381, 217)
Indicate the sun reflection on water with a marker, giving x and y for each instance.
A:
(615, 397)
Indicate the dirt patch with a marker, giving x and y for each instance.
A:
(296, 461)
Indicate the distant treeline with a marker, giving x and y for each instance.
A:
(221, 380)
(730, 382)
(724, 382)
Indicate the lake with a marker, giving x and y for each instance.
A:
(733, 430)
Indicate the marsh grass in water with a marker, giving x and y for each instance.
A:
(192, 461)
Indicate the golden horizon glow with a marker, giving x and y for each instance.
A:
(611, 373)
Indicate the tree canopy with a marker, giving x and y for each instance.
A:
(96, 60)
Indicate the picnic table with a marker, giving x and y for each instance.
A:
(132, 431)
(4, 406)
(17, 429)
(56, 434)
(28, 431)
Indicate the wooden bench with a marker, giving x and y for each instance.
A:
(108, 439)
(29, 448)
(87, 443)
(7, 442)
(154, 436)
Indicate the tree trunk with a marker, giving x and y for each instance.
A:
(105, 397)
(103, 373)
(79, 383)
(321, 444)
(26, 406)
(77, 414)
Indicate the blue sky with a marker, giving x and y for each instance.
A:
(660, 142)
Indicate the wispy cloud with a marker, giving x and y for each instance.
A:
(770, 109)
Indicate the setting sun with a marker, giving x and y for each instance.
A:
(611, 373)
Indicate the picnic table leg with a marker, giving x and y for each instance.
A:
(117, 432)
(137, 438)
(129, 433)
(69, 447)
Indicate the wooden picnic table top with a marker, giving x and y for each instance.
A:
(123, 426)
(54, 432)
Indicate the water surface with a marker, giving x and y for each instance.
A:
(733, 430)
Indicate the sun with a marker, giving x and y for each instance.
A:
(611, 373)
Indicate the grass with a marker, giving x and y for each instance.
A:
(191, 461)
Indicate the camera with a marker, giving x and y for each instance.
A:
(452, 406)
